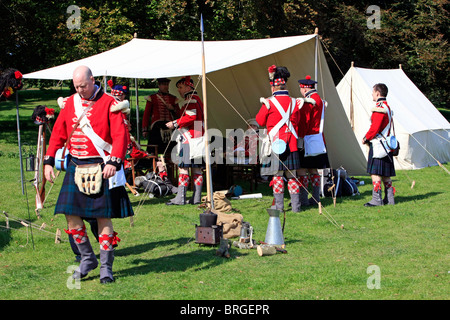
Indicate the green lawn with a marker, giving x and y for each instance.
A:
(407, 244)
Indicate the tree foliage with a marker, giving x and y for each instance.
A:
(413, 33)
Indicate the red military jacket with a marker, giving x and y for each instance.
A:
(107, 121)
(157, 109)
(313, 113)
(269, 116)
(191, 119)
(379, 118)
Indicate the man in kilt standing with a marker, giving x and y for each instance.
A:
(280, 115)
(310, 118)
(380, 165)
(92, 128)
(190, 126)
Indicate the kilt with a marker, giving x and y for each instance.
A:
(185, 161)
(287, 161)
(317, 162)
(380, 166)
(108, 203)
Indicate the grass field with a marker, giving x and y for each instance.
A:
(405, 247)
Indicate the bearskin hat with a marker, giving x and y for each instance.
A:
(42, 114)
(10, 81)
(278, 75)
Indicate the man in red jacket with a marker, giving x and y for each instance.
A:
(160, 107)
(190, 126)
(87, 119)
(311, 116)
(280, 115)
(380, 166)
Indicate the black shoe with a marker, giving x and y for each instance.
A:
(106, 280)
(368, 204)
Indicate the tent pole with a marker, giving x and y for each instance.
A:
(137, 110)
(209, 198)
(352, 116)
(316, 32)
(20, 145)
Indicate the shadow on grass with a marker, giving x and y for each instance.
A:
(5, 236)
(398, 199)
(197, 259)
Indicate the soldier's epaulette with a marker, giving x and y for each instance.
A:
(123, 106)
(148, 98)
(265, 102)
(62, 102)
(379, 108)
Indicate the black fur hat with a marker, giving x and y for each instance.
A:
(278, 75)
(42, 114)
(10, 81)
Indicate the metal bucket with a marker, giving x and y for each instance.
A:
(274, 233)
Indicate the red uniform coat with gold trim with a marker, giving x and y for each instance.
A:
(379, 119)
(270, 117)
(156, 110)
(107, 124)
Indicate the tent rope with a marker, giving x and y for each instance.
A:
(440, 165)
(440, 135)
(27, 224)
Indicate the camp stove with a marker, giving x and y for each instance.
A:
(208, 232)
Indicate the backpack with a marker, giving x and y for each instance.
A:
(156, 186)
(344, 186)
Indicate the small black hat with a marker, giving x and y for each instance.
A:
(307, 82)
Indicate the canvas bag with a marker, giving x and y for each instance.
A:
(196, 145)
(314, 144)
(221, 202)
(231, 222)
(380, 143)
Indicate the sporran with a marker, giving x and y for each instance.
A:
(88, 178)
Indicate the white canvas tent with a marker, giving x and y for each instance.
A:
(420, 128)
(236, 73)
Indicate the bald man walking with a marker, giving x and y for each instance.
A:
(92, 128)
